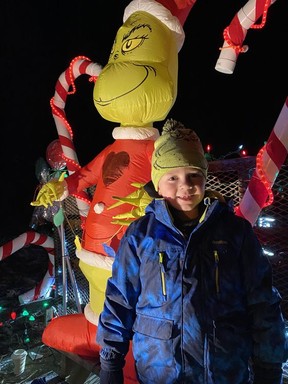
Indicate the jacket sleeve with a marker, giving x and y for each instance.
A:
(117, 318)
(264, 304)
(111, 371)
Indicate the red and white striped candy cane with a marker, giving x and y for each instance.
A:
(27, 238)
(235, 33)
(79, 65)
(268, 163)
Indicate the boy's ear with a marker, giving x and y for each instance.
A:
(150, 189)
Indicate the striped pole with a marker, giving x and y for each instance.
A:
(79, 65)
(27, 238)
(235, 33)
(269, 160)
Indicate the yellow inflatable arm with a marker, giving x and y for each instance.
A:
(50, 192)
(139, 199)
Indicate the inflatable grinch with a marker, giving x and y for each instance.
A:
(136, 88)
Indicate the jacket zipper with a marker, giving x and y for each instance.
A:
(216, 258)
(214, 333)
(162, 275)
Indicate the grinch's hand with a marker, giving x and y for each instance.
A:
(50, 192)
(139, 199)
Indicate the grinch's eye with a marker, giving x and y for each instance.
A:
(131, 44)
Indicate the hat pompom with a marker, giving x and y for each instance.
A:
(178, 131)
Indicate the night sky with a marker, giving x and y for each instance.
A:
(38, 41)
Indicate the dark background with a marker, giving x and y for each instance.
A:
(39, 39)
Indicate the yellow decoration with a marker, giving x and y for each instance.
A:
(97, 278)
(50, 192)
(143, 68)
(139, 199)
(77, 243)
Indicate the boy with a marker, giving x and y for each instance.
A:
(190, 284)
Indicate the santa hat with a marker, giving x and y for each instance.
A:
(172, 13)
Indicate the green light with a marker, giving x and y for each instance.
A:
(31, 318)
(45, 304)
(27, 339)
(25, 312)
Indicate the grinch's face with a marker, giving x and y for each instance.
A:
(139, 84)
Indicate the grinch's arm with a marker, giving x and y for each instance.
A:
(88, 175)
(54, 190)
(58, 190)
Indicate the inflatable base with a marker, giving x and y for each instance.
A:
(73, 333)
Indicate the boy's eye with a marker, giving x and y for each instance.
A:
(194, 175)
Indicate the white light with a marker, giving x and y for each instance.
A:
(268, 253)
(266, 222)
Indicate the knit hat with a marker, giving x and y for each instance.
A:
(176, 147)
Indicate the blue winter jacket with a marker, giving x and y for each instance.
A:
(198, 310)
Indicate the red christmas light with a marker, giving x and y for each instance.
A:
(13, 315)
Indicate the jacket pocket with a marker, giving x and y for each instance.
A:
(153, 327)
(154, 350)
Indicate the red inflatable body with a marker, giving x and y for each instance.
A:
(122, 163)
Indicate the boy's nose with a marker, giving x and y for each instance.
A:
(187, 185)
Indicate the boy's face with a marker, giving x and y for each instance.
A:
(184, 189)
